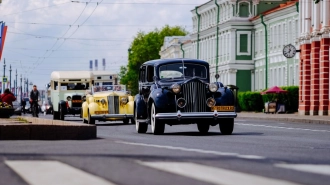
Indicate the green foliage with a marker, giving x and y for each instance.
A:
(250, 101)
(145, 47)
(254, 101)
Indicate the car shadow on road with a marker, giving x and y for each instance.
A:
(209, 134)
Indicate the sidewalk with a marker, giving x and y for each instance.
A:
(285, 117)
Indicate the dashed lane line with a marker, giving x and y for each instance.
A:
(277, 127)
(212, 175)
(195, 150)
(311, 168)
(53, 173)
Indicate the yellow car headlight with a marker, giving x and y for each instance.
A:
(124, 100)
(103, 102)
(176, 88)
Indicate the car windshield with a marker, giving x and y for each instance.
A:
(104, 88)
(180, 70)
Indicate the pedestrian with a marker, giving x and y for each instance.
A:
(34, 98)
(8, 97)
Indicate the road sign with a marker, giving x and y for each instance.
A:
(217, 76)
(4, 79)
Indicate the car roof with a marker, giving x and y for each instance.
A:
(174, 60)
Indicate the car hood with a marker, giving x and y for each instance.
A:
(109, 93)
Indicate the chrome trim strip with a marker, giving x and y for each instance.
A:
(104, 116)
(193, 115)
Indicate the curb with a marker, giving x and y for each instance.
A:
(288, 119)
(44, 129)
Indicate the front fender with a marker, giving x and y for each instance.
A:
(92, 107)
(226, 98)
(140, 107)
(163, 99)
(85, 110)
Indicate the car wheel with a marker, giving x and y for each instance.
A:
(84, 121)
(140, 127)
(203, 128)
(226, 126)
(156, 126)
(61, 112)
(126, 121)
(55, 115)
(90, 121)
(132, 121)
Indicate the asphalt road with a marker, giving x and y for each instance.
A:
(258, 152)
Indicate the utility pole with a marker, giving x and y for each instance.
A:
(4, 72)
(16, 84)
(27, 86)
(10, 77)
(21, 89)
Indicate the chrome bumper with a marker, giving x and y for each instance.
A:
(195, 115)
(112, 116)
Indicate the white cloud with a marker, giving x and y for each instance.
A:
(115, 25)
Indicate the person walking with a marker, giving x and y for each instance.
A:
(8, 97)
(23, 104)
(34, 97)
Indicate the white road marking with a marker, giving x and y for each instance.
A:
(53, 173)
(312, 168)
(289, 128)
(213, 175)
(195, 150)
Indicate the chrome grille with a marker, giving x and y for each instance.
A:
(195, 95)
(113, 104)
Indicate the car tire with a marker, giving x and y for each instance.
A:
(55, 115)
(126, 121)
(61, 113)
(157, 127)
(203, 128)
(226, 126)
(132, 121)
(84, 121)
(90, 121)
(140, 127)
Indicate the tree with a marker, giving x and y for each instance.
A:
(145, 47)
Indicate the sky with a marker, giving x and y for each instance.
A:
(57, 35)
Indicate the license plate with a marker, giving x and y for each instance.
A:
(76, 101)
(101, 112)
(223, 108)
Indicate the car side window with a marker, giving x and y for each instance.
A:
(143, 74)
(150, 73)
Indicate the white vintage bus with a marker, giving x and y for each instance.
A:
(68, 90)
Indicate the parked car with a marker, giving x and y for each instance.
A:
(178, 91)
(17, 108)
(108, 103)
(47, 107)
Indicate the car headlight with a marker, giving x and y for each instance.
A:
(210, 102)
(69, 98)
(103, 102)
(124, 100)
(176, 88)
(213, 87)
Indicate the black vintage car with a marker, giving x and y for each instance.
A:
(178, 91)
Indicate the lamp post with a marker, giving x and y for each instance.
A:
(21, 89)
(4, 73)
(10, 77)
(16, 84)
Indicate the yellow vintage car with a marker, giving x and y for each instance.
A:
(108, 103)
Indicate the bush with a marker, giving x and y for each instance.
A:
(250, 101)
(254, 101)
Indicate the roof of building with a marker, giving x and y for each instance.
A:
(276, 9)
